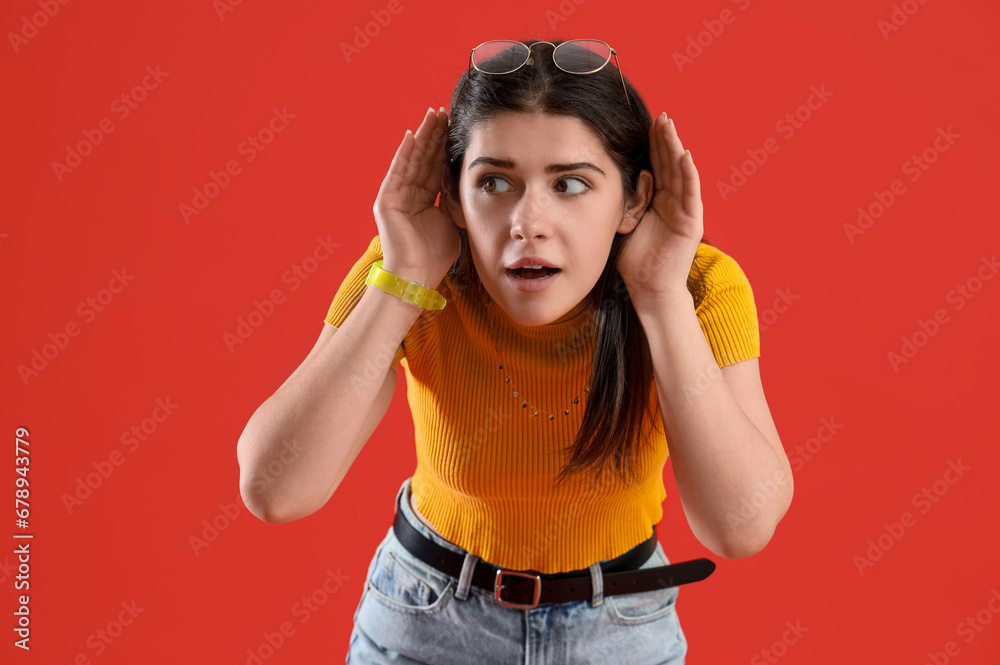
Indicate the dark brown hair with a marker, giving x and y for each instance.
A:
(618, 409)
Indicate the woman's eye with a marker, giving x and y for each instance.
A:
(577, 180)
(489, 185)
(484, 184)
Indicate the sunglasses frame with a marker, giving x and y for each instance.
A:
(555, 48)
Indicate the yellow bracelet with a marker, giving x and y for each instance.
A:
(414, 293)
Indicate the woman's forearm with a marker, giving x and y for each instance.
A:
(720, 458)
(299, 444)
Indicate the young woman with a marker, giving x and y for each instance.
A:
(559, 317)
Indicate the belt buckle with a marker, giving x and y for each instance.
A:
(498, 587)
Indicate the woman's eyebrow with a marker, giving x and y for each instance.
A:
(551, 168)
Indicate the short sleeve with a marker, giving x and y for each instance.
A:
(353, 287)
(727, 314)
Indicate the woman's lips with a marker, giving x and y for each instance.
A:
(531, 285)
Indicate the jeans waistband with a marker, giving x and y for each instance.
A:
(607, 565)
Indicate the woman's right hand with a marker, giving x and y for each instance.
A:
(419, 239)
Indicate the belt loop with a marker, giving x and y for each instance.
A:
(465, 578)
(597, 583)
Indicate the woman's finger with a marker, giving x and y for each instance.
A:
(674, 153)
(394, 177)
(418, 170)
(657, 155)
(435, 182)
(692, 187)
(429, 176)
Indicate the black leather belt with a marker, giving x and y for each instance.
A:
(527, 589)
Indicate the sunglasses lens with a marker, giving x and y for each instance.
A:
(500, 57)
(582, 56)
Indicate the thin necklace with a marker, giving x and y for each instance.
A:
(503, 366)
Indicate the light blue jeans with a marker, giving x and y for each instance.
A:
(414, 614)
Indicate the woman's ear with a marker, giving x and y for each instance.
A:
(641, 201)
(453, 207)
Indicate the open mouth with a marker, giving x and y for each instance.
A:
(534, 273)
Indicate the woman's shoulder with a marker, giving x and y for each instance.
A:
(727, 311)
(710, 254)
(718, 267)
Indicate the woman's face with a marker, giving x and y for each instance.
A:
(540, 186)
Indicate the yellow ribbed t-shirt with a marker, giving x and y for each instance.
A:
(486, 466)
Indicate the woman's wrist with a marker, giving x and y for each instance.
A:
(409, 273)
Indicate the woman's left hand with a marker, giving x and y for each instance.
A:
(657, 258)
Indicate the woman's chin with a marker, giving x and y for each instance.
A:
(530, 316)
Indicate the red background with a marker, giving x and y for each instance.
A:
(824, 356)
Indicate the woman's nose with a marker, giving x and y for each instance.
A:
(531, 217)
